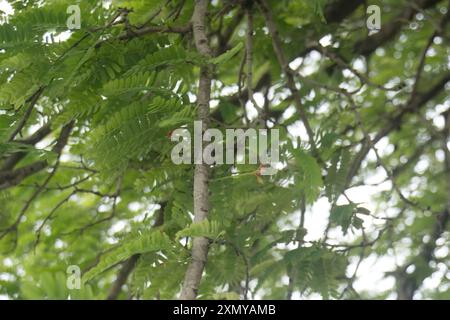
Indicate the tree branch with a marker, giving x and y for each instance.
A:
(33, 100)
(200, 245)
(390, 29)
(338, 10)
(61, 142)
(407, 284)
(129, 265)
(288, 72)
(122, 276)
(12, 161)
(395, 122)
(12, 178)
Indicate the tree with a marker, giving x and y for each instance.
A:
(86, 123)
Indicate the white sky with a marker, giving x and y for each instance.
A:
(5, 7)
(371, 271)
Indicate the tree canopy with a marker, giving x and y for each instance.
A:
(86, 177)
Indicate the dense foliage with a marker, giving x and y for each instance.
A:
(86, 177)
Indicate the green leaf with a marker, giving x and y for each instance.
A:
(224, 57)
(310, 177)
(149, 241)
(362, 210)
(342, 215)
(205, 228)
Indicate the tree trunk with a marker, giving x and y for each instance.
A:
(200, 245)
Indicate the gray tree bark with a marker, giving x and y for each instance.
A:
(200, 245)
